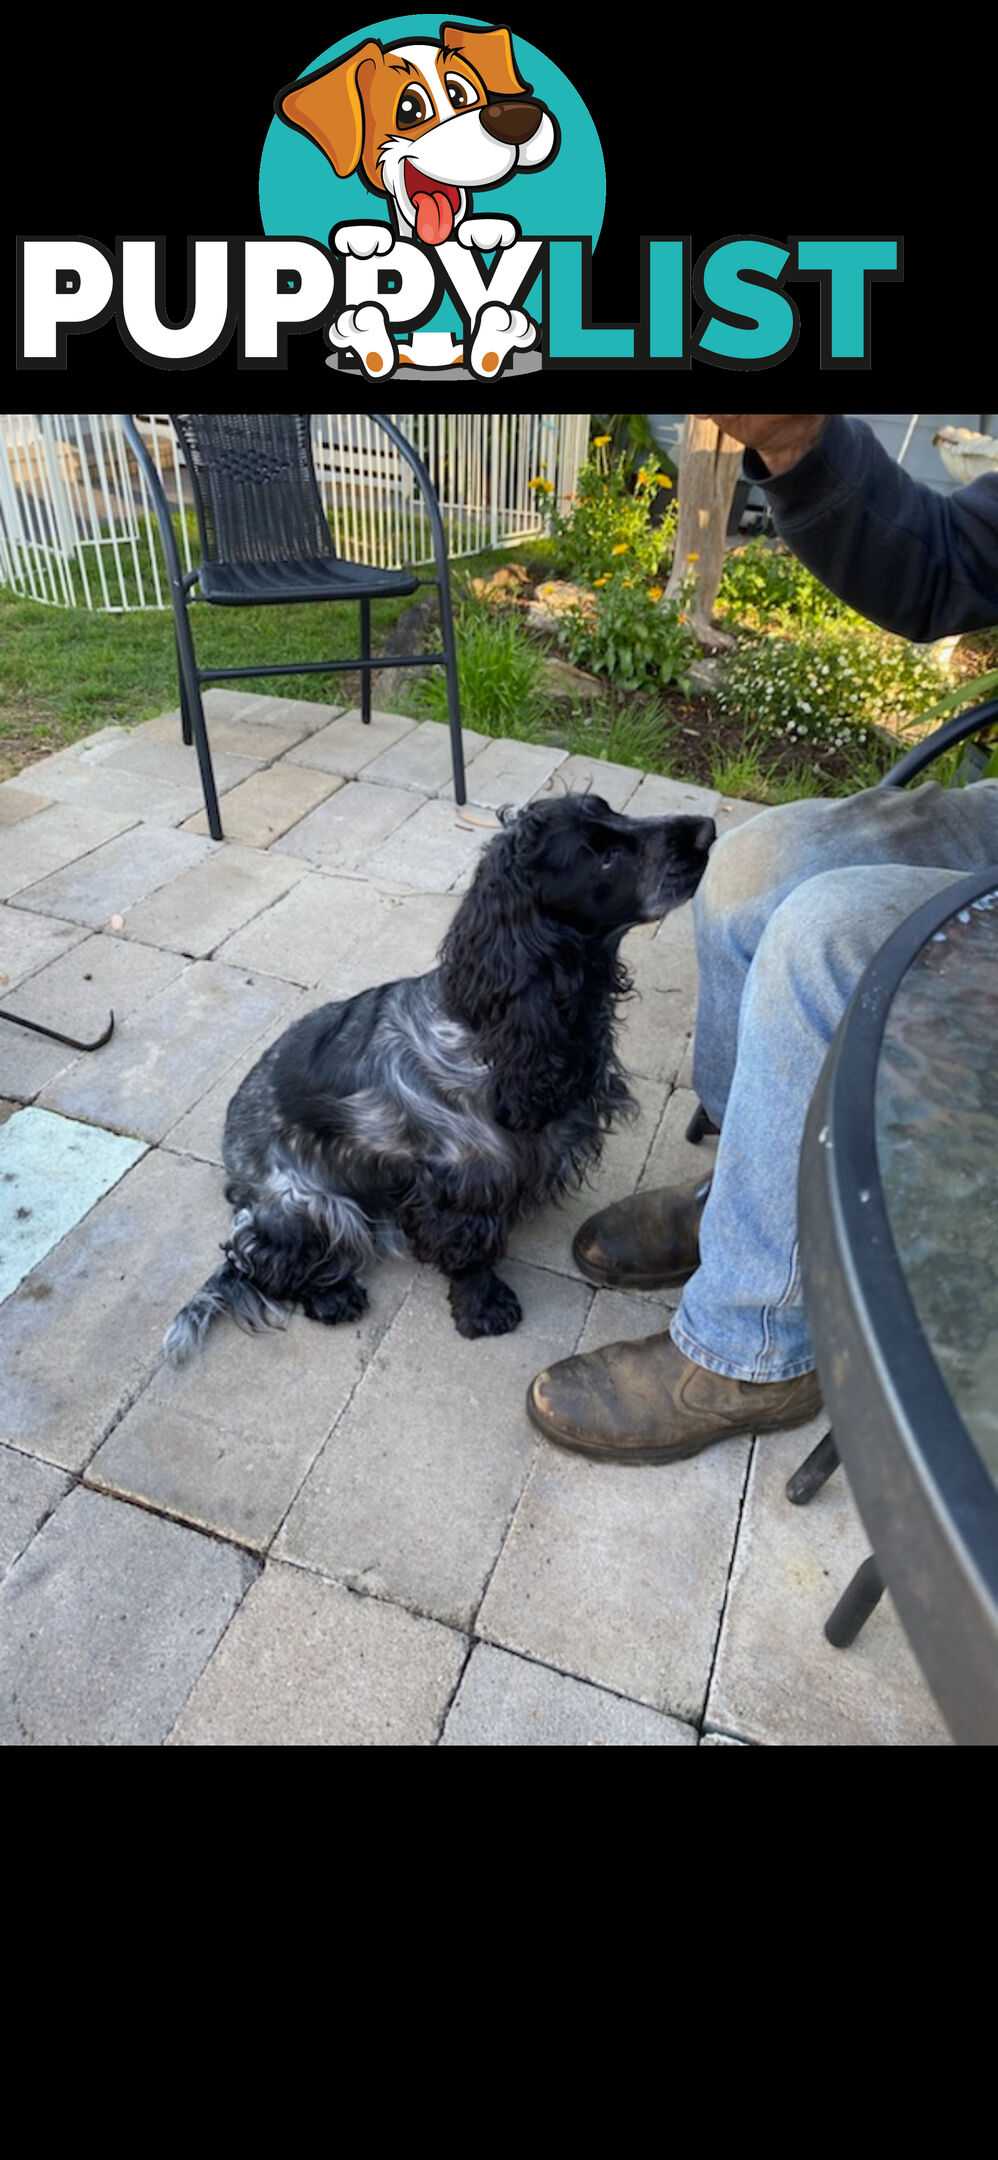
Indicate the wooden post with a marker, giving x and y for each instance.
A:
(709, 465)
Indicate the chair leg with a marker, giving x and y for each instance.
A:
(814, 1471)
(365, 673)
(186, 729)
(453, 692)
(855, 1606)
(192, 706)
(700, 1127)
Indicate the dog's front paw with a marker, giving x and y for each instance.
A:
(365, 331)
(362, 241)
(484, 1306)
(345, 1300)
(498, 332)
(487, 233)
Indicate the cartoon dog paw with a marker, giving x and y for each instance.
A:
(362, 240)
(498, 332)
(487, 233)
(365, 331)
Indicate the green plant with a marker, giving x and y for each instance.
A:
(630, 636)
(763, 583)
(832, 687)
(626, 730)
(613, 518)
(630, 437)
(501, 674)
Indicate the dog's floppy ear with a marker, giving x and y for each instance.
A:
(490, 53)
(328, 106)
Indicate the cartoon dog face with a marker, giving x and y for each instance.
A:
(425, 123)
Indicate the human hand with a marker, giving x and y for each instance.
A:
(781, 439)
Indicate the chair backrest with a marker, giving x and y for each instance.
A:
(255, 491)
(975, 721)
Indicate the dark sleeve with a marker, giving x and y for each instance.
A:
(904, 554)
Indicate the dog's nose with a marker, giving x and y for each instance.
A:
(511, 121)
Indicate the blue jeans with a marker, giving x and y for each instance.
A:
(793, 906)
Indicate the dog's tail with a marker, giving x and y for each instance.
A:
(227, 1291)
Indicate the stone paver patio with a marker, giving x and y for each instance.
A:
(345, 1536)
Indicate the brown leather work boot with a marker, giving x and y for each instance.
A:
(649, 1242)
(644, 1402)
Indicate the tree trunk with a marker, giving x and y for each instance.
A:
(709, 465)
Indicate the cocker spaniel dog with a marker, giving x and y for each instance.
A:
(431, 1114)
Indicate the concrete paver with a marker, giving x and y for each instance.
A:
(106, 1621)
(116, 877)
(75, 994)
(26, 946)
(348, 744)
(201, 907)
(412, 1495)
(55, 836)
(342, 832)
(353, 1536)
(507, 1701)
(165, 1054)
(266, 805)
(308, 1664)
(29, 1490)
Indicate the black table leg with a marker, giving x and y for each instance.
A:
(814, 1472)
(855, 1606)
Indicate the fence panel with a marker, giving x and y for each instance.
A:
(77, 529)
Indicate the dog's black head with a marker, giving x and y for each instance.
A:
(531, 961)
(599, 872)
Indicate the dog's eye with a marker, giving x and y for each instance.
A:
(413, 108)
(459, 91)
(607, 861)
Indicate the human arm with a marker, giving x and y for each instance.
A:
(912, 559)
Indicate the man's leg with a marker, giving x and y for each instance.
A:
(652, 1239)
(738, 1356)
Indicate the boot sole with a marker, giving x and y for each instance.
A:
(624, 1279)
(680, 1451)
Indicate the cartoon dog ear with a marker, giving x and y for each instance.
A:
(490, 53)
(328, 106)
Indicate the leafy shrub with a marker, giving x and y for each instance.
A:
(614, 519)
(630, 636)
(762, 583)
(832, 686)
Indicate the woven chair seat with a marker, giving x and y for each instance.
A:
(325, 577)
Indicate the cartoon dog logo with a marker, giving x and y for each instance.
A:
(425, 123)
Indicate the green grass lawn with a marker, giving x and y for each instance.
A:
(65, 672)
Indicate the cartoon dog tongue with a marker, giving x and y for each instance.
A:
(435, 204)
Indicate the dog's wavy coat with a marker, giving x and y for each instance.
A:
(435, 1112)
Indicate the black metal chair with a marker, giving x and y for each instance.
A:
(265, 542)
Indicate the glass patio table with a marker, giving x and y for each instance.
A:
(898, 1203)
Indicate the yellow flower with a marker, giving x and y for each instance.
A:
(692, 558)
(662, 480)
(601, 580)
(600, 440)
(621, 548)
(546, 486)
(654, 592)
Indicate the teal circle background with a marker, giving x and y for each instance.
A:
(301, 194)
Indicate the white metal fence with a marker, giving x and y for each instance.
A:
(77, 527)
